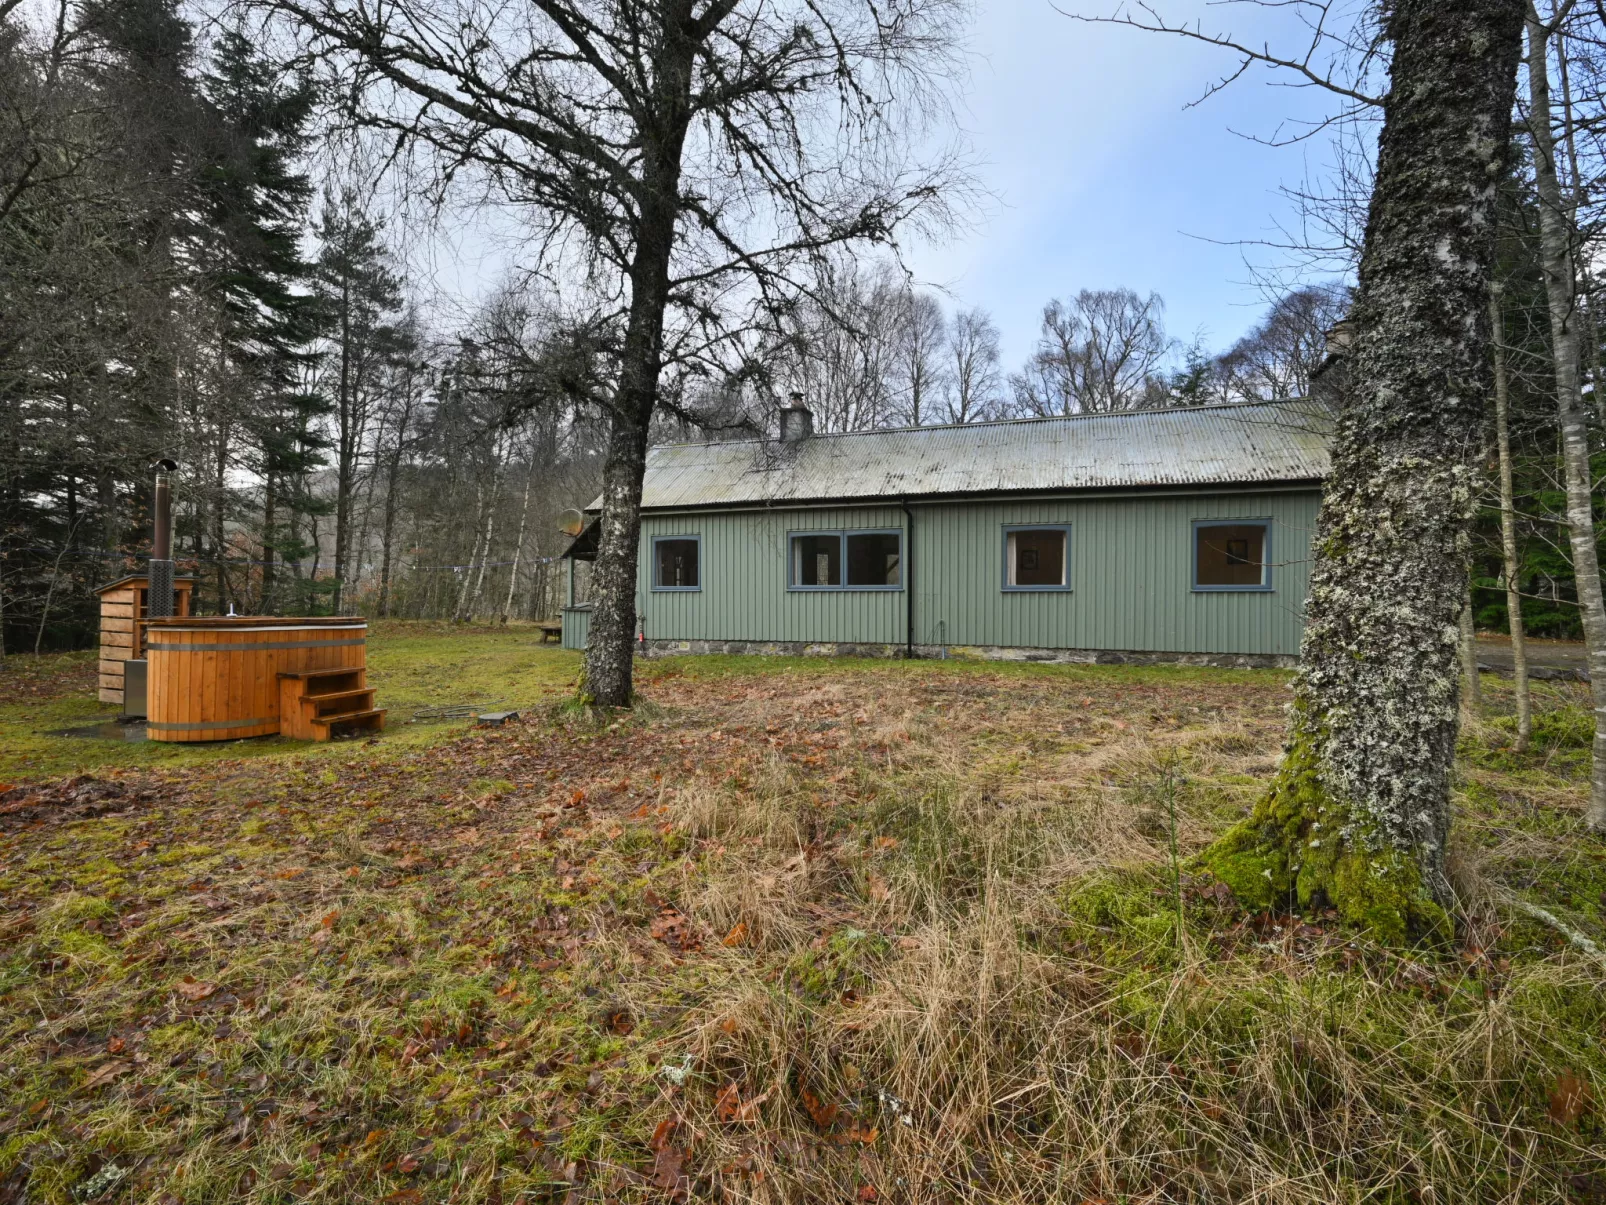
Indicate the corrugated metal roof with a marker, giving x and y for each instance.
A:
(1259, 443)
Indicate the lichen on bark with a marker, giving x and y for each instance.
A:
(1301, 846)
(1358, 814)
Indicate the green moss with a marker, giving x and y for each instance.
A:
(69, 912)
(1289, 853)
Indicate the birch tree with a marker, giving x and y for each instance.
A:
(973, 369)
(1510, 564)
(1359, 811)
(691, 157)
(1100, 352)
(1561, 291)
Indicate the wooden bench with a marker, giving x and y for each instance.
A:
(551, 629)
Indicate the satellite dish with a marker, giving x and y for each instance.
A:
(571, 522)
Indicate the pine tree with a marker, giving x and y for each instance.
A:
(359, 294)
(254, 201)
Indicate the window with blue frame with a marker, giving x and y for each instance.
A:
(1232, 554)
(1037, 558)
(845, 560)
(676, 563)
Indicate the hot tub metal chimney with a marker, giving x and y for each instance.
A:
(159, 597)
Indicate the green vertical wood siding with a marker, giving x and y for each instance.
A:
(1130, 577)
(576, 627)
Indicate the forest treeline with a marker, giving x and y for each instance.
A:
(184, 274)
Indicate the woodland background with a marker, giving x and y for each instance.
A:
(198, 261)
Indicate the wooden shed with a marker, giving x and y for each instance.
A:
(122, 626)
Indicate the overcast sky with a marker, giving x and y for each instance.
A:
(1105, 178)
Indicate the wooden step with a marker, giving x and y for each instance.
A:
(372, 720)
(365, 693)
(321, 673)
(324, 681)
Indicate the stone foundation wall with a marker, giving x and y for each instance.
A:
(935, 652)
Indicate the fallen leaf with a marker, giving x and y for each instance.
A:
(867, 1192)
(672, 928)
(823, 1114)
(1569, 1099)
(879, 891)
(107, 1072)
(116, 1046)
(668, 1173)
(193, 990)
(729, 1107)
(663, 1134)
(292, 873)
(737, 935)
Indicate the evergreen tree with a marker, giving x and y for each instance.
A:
(359, 295)
(254, 203)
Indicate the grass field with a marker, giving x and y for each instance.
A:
(792, 931)
(411, 666)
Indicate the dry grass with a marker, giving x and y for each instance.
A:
(804, 932)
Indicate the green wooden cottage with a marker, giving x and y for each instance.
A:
(1149, 535)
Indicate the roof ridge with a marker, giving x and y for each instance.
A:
(997, 422)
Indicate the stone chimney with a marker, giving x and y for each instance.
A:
(1330, 381)
(797, 420)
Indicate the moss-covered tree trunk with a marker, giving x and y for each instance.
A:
(1359, 811)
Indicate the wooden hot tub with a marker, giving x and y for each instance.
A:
(218, 679)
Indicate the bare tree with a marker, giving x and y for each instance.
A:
(1100, 353)
(974, 380)
(690, 156)
(921, 362)
(1274, 362)
(843, 348)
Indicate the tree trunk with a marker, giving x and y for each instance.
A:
(345, 451)
(219, 517)
(1469, 658)
(110, 529)
(1359, 812)
(518, 545)
(609, 663)
(1510, 566)
(1555, 240)
(471, 598)
(392, 476)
